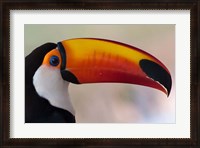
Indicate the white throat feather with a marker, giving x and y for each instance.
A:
(50, 85)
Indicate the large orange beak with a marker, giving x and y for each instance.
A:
(90, 60)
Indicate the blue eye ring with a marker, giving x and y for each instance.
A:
(54, 60)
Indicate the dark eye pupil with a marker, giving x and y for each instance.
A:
(54, 60)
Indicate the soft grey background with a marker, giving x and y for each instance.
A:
(118, 103)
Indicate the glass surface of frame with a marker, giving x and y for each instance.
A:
(130, 31)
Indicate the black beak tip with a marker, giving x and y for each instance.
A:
(157, 73)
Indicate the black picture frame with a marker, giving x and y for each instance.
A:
(192, 5)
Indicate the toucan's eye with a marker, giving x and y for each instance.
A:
(54, 61)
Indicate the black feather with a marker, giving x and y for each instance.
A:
(38, 109)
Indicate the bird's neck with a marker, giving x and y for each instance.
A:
(62, 99)
(50, 85)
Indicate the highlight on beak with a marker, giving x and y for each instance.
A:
(91, 60)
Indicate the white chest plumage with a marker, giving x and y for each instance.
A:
(50, 85)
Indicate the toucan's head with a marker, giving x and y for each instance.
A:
(90, 60)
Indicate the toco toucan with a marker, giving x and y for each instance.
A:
(51, 67)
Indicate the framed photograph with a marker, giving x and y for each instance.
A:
(89, 73)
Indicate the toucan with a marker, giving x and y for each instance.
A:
(50, 68)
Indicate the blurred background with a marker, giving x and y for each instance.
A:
(113, 102)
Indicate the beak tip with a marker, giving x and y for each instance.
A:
(157, 73)
(169, 89)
